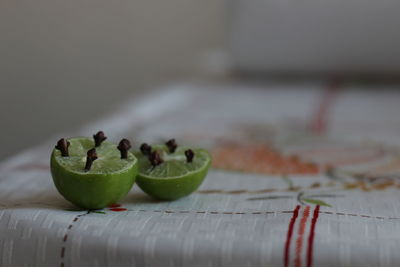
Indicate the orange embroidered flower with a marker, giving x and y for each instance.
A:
(260, 159)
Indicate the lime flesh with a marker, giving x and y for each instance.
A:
(175, 177)
(109, 179)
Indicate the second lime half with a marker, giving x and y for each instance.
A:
(173, 176)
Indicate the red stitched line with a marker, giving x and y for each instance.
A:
(299, 241)
(311, 237)
(33, 167)
(65, 238)
(319, 122)
(289, 235)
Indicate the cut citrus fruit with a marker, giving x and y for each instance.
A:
(169, 173)
(92, 177)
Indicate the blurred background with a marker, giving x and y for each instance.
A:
(66, 63)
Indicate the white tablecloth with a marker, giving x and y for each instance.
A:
(304, 175)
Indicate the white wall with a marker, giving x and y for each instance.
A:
(63, 63)
(316, 36)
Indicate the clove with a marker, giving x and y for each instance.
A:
(63, 145)
(171, 144)
(99, 138)
(146, 149)
(155, 158)
(91, 156)
(189, 155)
(123, 146)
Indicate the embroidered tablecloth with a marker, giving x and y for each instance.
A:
(303, 175)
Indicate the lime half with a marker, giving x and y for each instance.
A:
(108, 180)
(175, 177)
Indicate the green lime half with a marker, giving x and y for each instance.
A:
(109, 179)
(175, 177)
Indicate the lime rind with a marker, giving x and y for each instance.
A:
(108, 181)
(175, 177)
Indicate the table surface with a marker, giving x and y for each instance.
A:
(303, 175)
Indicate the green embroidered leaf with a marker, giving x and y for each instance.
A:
(100, 212)
(288, 181)
(316, 202)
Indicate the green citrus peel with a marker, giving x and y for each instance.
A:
(108, 180)
(175, 177)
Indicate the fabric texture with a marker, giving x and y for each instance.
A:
(303, 175)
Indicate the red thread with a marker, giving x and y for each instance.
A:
(115, 205)
(63, 248)
(311, 237)
(118, 209)
(299, 241)
(319, 122)
(34, 167)
(289, 235)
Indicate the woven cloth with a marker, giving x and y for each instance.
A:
(303, 175)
